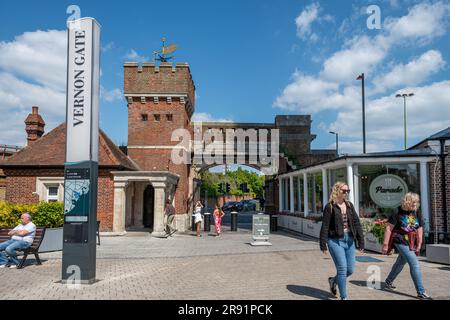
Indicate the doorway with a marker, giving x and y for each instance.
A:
(149, 201)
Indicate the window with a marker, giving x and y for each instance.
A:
(157, 117)
(52, 193)
(169, 117)
(144, 117)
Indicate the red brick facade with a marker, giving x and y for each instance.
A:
(22, 183)
(436, 198)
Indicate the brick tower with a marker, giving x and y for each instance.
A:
(160, 100)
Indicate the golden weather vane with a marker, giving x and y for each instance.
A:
(162, 55)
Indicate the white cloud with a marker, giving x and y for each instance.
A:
(206, 117)
(110, 95)
(362, 55)
(428, 111)
(306, 94)
(134, 56)
(305, 19)
(424, 22)
(413, 73)
(32, 73)
(356, 147)
(38, 56)
(335, 86)
(108, 46)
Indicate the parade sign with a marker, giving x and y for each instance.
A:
(387, 190)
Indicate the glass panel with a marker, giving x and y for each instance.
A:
(408, 173)
(53, 191)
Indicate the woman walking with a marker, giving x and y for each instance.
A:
(218, 214)
(404, 231)
(198, 217)
(340, 230)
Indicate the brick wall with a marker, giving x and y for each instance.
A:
(165, 80)
(21, 183)
(436, 199)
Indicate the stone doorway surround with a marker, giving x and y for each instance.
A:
(128, 208)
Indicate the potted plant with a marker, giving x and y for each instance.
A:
(374, 234)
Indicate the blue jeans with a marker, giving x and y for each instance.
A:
(407, 256)
(343, 253)
(10, 248)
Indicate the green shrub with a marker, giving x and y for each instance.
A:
(49, 215)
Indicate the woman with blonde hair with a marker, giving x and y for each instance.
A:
(404, 231)
(340, 230)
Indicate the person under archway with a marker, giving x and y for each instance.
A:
(198, 217)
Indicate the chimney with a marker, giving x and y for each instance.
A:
(34, 125)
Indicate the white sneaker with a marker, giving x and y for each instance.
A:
(13, 266)
(2, 265)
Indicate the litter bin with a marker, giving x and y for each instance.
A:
(273, 223)
(207, 221)
(234, 216)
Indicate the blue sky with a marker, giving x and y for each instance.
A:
(250, 60)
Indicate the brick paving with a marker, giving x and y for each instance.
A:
(138, 266)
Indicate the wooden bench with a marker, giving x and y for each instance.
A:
(33, 249)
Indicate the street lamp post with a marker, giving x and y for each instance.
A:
(337, 142)
(362, 78)
(404, 95)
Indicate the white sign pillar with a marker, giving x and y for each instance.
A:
(81, 166)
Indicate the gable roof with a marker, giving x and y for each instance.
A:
(441, 135)
(50, 150)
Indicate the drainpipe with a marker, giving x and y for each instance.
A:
(443, 186)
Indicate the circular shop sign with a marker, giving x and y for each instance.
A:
(387, 190)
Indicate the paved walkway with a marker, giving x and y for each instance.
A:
(138, 266)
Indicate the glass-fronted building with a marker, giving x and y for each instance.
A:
(377, 182)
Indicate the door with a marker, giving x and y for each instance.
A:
(149, 201)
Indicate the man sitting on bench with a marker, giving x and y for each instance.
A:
(22, 238)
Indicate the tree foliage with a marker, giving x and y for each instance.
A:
(255, 182)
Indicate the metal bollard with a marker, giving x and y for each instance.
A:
(207, 221)
(193, 223)
(273, 223)
(234, 216)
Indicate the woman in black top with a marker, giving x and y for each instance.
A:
(340, 230)
(405, 232)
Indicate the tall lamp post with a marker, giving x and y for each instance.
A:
(361, 77)
(404, 95)
(337, 142)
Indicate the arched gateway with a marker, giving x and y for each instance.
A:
(169, 149)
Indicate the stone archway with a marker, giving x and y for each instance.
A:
(163, 185)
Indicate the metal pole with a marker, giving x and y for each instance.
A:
(404, 116)
(337, 145)
(363, 115)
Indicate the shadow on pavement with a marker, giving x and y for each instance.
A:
(360, 283)
(310, 292)
(444, 268)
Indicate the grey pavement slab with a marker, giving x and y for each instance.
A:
(138, 266)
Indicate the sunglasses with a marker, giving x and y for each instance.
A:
(345, 190)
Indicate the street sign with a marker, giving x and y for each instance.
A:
(261, 230)
(81, 166)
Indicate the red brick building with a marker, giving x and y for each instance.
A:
(36, 173)
(135, 184)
